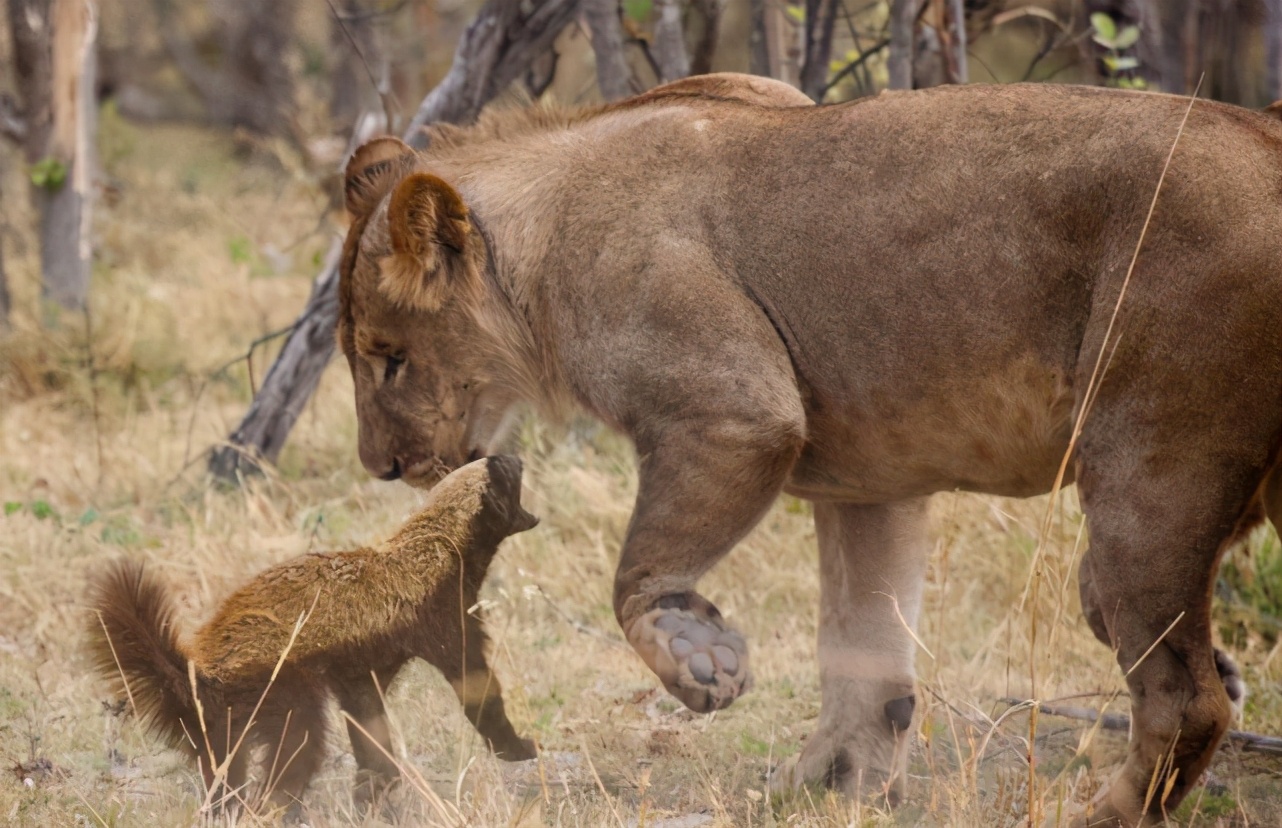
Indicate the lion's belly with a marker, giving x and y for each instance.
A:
(1003, 434)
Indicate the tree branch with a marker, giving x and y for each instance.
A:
(669, 41)
(613, 77)
(1120, 721)
(497, 48)
(12, 125)
(706, 48)
(903, 16)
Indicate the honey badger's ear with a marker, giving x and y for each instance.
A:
(372, 170)
(428, 226)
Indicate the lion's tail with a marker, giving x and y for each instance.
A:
(134, 641)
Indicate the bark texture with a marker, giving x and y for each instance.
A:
(820, 17)
(613, 77)
(669, 41)
(903, 14)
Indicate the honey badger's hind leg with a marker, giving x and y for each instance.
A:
(362, 700)
(292, 727)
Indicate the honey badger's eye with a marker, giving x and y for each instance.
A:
(392, 365)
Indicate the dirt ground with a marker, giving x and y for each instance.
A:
(202, 246)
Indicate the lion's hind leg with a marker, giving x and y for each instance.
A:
(872, 565)
(1157, 531)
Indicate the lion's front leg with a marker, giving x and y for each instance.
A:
(701, 490)
(872, 564)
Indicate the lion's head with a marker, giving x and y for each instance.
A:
(411, 278)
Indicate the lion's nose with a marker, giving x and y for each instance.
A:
(394, 473)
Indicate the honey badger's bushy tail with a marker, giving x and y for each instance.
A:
(134, 642)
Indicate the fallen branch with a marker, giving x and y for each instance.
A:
(1240, 739)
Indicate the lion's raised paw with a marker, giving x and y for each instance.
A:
(701, 660)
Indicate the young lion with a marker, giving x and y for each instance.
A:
(365, 613)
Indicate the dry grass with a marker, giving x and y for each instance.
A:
(206, 250)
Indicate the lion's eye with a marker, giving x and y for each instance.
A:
(392, 365)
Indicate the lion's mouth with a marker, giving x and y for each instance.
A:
(426, 473)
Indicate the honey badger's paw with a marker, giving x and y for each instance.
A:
(1234, 684)
(699, 659)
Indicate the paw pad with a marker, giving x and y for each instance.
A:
(701, 661)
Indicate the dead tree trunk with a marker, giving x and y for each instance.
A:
(1273, 48)
(497, 48)
(613, 77)
(957, 17)
(670, 41)
(759, 40)
(903, 17)
(820, 17)
(706, 46)
(4, 293)
(352, 42)
(5, 303)
(54, 57)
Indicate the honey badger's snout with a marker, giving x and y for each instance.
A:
(504, 494)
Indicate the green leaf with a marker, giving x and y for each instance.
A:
(1127, 37)
(239, 250)
(1105, 28)
(11, 506)
(797, 13)
(90, 515)
(49, 173)
(42, 510)
(638, 10)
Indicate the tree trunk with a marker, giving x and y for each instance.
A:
(957, 16)
(903, 18)
(54, 57)
(352, 90)
(670, 41)
(497, 48)
(613, 77)
(65, 244)
(820, 17)
(1273, 48)
(5, 303)
(706, 47)
(759, 41)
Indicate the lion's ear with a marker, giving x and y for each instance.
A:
(372, 170)
(429, 229)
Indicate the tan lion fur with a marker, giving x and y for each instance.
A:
(861, 305)
(363, 614)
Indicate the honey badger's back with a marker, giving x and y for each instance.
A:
(396, 596)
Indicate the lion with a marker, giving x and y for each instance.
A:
(860, 305)
(257, 672)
